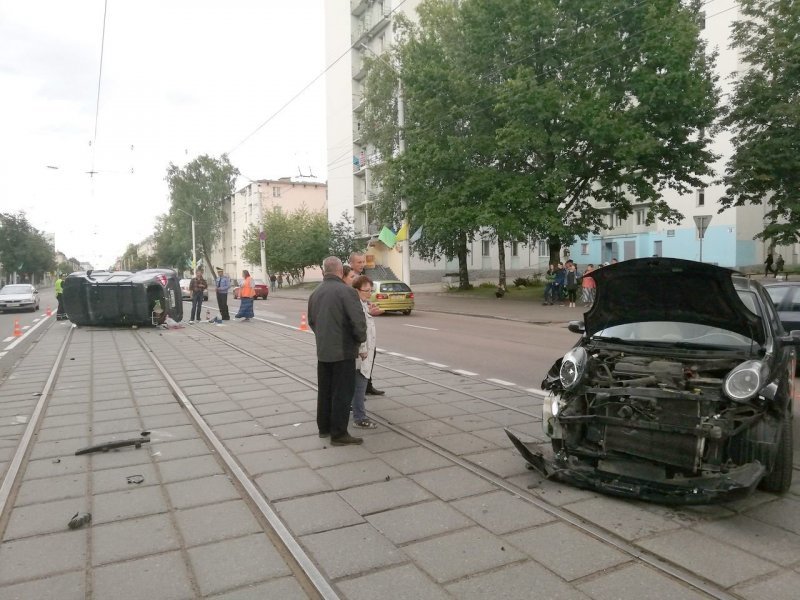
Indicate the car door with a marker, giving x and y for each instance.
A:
(786, 300)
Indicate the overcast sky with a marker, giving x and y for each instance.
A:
(180, 78)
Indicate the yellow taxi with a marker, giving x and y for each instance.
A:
(392, 296)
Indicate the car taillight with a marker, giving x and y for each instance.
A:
(381, 296)
(411, 295)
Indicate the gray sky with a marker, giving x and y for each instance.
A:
(180, 78)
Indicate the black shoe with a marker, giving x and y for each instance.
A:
(373, 392)
(324, 434)
(346, 440)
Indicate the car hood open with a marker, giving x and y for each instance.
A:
(669, 289)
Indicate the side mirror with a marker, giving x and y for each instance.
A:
(578, 327)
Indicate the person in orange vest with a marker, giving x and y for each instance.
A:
(247, 292)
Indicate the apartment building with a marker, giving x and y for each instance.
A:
(355, 28)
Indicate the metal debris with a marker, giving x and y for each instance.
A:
(79, 520)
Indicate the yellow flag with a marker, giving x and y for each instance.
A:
(402, 233)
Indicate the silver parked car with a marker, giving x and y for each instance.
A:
(19, 296)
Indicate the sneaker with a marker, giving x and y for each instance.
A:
(365, 424)
(346, 440)
(191, 321)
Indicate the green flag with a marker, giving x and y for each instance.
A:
(387, 237)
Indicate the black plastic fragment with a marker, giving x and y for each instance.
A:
(105, 447)
(79, 520)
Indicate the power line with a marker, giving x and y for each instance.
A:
(305, 87)
(99, 81)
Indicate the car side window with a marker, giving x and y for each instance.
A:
(777, 294)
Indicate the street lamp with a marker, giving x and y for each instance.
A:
(405, 248)
(194, 246)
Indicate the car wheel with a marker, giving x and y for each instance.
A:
(779, 480)
(406, 312)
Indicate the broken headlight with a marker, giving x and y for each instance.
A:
(745, 380)
(573, 365)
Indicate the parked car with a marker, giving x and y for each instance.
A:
(186, 294)
(392, 296)
(146, 297)
(262, 289)
(786, 298)
(679, 390)
(19, 296)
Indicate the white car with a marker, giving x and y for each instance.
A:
(185, 294)
(19, 296)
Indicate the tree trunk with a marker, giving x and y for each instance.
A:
(463, 272)
(554, 244)
(501, 257)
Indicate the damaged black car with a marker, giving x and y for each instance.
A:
(679, 391)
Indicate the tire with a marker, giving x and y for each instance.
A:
(407, 312)
(779, 479)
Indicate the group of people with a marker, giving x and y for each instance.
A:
(563, 280)
(247, 293)
(341, 317)
(276, 281)
(772, 265)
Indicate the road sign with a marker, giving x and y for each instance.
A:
(262, 236)
(702, 222)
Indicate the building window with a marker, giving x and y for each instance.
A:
(657, 250)
(611, 220)
(701, 197)
(485, 246)
(544, 249)
(514, 248)
(641, 216)
(584, 249)
(620, 220)
(670, 233)
(276, 192)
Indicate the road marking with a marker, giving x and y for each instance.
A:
(420, 327)
(395, 354)
(462, 372)
(414, 358)
(439, 365)
(500, 382)
(2, 354)
(536, 391)
(13, 344)
(8, 339)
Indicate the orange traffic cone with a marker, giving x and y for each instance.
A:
(49, 312)
(303, 324)
(17, 330)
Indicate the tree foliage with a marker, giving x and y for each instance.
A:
(23, 248)
(196, 190)
(533, 119)
(133, 261)
(342, 239)
(294, 241)
(765, 116)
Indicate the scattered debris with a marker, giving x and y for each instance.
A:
(135, 479)
(388, 477)
(56, 461)
(79, 520)
(106, 446)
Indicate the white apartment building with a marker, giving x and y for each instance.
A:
(358, 27)
(248, 205)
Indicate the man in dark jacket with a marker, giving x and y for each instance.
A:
(339, 325)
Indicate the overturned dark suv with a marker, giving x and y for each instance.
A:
(679, 390)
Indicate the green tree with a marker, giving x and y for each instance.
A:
(342, 237)
(197, 190)
(294, 241)
(765, 117)
(23, 248)
(534, 119)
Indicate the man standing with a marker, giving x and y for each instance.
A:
(60, 314)
(197, 288)
(358, 261)
(339, 326)
(223, 284)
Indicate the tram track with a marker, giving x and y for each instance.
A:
(562, 514)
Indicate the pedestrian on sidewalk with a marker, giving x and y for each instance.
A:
(280, 281)
(340, 327)
(366, 356)
(779, 263)
(358, 262)
(571, 283)
(273, 282)
(588, 286)
(223, 284)
(197, 289)
(247, 292)
(768, 265)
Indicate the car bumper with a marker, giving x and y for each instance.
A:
(17, 305)
(735, 484)
(392, 305)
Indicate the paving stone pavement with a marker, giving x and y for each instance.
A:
(392, 518)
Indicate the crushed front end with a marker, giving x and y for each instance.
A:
(655, 425)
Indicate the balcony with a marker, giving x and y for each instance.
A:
(359, 70)
(371, 23)
(357, 7)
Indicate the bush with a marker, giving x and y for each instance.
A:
(486, 284)
(522, 282)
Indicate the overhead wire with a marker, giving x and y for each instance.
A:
(99, 86)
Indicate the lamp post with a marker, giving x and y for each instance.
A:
(194, 246)
(405, 247)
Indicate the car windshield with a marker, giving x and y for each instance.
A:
(679, 333)
(394, 286)
(16, 289)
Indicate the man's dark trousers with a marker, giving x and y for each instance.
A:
(336, 382)
(222, 302)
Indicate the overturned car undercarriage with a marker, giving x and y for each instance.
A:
(656, 427)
